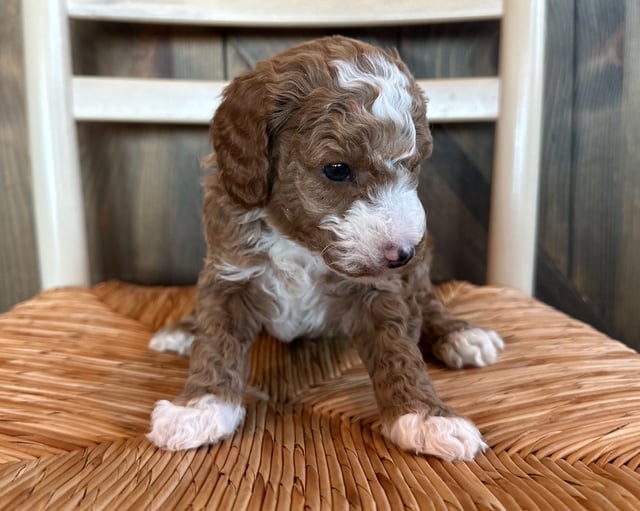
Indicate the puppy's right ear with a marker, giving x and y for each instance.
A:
(241, 141)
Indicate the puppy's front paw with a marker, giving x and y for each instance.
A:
(172, 339)
(449, 438)
(205, 420)
(471, 347)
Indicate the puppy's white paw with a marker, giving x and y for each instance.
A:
(449, 438)
(472, 347)
(172, 339)
(205, 420)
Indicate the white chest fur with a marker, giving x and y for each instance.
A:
(294, 280)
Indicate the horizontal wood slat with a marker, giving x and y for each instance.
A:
(282, 13)
(193, 102)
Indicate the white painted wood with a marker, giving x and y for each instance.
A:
(512, 232)
(145, 100)
(194, 102)
(282, 13)
(462, 99)
(57, 190)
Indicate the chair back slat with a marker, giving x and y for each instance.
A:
(194, 102)
(286, 13)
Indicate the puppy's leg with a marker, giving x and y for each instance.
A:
(453, 341)
(176, 337)
(210, 406)
(412, 415)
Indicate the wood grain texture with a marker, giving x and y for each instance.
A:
(554, 218)
(554, 269)
(142, 183)
(627, 281)
(598, 139)
(588, 231)
(456, 195)
(18, 262)
(143, 201)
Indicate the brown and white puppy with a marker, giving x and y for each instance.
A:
(314, 228)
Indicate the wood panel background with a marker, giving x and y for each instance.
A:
(142, 182)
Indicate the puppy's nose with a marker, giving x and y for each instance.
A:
(398, 256)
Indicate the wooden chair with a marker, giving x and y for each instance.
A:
(57, 99)
(560, 410)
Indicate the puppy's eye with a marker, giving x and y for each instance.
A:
(337, 171)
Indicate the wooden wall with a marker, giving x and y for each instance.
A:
(18, 264)
(141, 182)
(589, 233)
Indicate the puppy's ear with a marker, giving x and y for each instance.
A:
(241, 141)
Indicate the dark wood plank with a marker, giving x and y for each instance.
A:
(246, 47)
(555, 203)
(142, 183)
(19, 278)
(143, 201)
(124, 49)
(556, 207)
(556, 289)
(597, 147)
(626, 318)
(456, 192)
(451, 50)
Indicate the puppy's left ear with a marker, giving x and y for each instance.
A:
(241, 141)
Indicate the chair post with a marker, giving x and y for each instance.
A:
(513, 218)
(57, 188)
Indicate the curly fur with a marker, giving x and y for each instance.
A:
(297, 254)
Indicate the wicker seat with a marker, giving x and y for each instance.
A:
(560, 411)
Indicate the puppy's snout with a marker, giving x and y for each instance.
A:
(398, 256)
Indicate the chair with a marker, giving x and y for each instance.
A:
(56, 99)
(559, 410)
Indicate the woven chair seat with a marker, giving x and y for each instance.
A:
(560, 411)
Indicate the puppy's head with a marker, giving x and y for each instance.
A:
(328, 137)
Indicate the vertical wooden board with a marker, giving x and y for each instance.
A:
(556, 207)
(19, 276)
(627, 291)
(451, 50)
(144, 211)
(597, 144)
(556, 162)
(246, 47)
(147, 51)
(456, 196)
(142, 183)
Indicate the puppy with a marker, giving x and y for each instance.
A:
(314, 228)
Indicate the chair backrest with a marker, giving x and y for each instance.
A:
(56, 100)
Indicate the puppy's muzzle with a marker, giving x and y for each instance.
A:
(398, 256)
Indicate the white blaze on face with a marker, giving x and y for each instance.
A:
(392, 216)
(393, 101)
